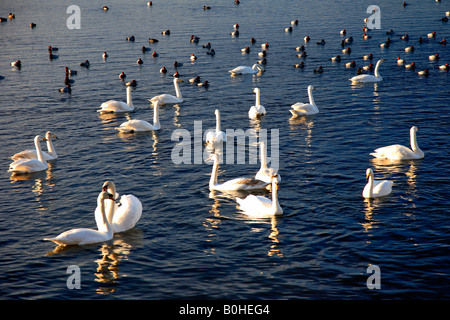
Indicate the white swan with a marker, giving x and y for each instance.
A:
(264, 173)
(84, 236)
(368, 77)
(256, 110)
(32, 153)
(262, 207)
(218, 135)
(237, 184)
(133, 126)
(246, 70)
(376, 188)
(305, 109)
(124, 216)
(30, 165)
(117, 106)
(168, 98)
(399, 152)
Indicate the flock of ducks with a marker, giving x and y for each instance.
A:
(112, 217)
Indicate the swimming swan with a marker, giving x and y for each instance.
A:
(399, 152)
(376, 188)
(168, 98)
(246, 70)
(30, 165)
(124, 216)
(305, 109)
(264, 173)
(32, 153)
(133, 126)
(256, 110)
(117, 106)
(242, 183)
(367, 77)
(262, 207)
(216, 136)
(83, 236)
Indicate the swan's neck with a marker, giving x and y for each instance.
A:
(413, 141)
(156, 115)
(105, 218)
(50, 147)
(275, 205)
(370, 183)
(215, 170)
(217, 122)
(377, 74)
(177, 89)
(39, 151)
(263, 155)
(311, 98)
(258, 100)
(129, 100)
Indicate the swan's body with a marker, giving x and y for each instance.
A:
(114, 106)
(121, 217)
(399, 152)
(132, 126)
(376, 188)
(30, 165)
(246, 70)
(367, 77)
(258, 109)
(84, 236)
(32, 153)
(237, 184)
(217, 136)
(168, 98)
(264, 173)
(305, 109)
(262, 207)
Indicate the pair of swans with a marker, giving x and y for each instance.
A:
(110, 218)
(33, 153)
(133, 126)
(364, 78)
(217, 136)
(257, 110)
(114, 106)
(400, 152)
(247, 70)
(305, 109)
(27, 165)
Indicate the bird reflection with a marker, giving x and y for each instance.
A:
(176, 115)
(274, 234)
(368, 212)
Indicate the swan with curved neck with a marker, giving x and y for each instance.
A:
(32, 153)
(262, 207)
(133, 126)
(265, 173)
(84, 236)
(246, 70)
(114, 106)
(367, 77)
(168, 98)
(236, 184)
(305, 109)
(256, 110)
(400, 152)
(30, 165)
(218, 135)
(376, 188)
(121, 217)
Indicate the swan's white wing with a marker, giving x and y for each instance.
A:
(127, 214)
(79, 236)
(242, 69)
(304, 109)
(166, 99)
(114, 106)
(242, 184)
(135, 126)
(27, 166)
(382, 187)
(255, 205)
(394, 152)
(31, 154)
(364, 78)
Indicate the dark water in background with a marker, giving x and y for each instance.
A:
(195, 245)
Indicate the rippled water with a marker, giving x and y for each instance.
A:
(190, 244)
